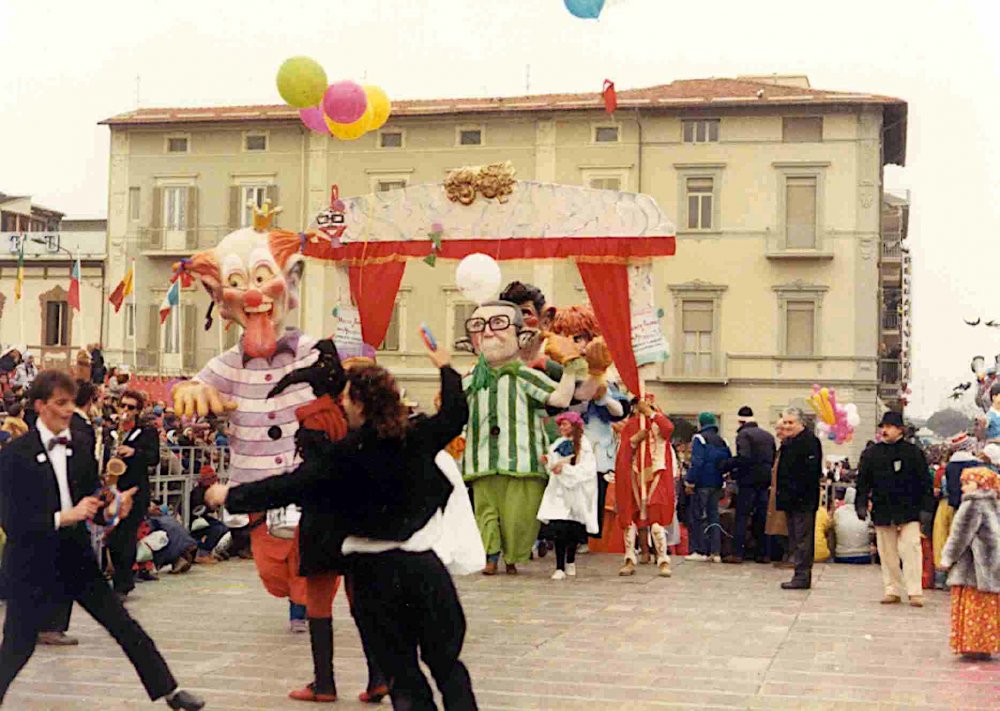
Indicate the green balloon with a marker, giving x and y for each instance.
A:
(301, 82)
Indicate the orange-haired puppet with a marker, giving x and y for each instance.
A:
(598, 401)
(253, 276)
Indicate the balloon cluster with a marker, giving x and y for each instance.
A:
(344, 109)
(836, 421)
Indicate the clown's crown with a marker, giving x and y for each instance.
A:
(263, 215)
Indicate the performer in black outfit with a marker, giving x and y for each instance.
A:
(140, 449)
(46, 495)
(381, 486)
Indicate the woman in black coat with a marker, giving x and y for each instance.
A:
(378, 487)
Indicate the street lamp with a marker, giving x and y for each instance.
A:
(48, 243)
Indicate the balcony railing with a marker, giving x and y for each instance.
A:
(890, 372)
(892, 250)
(891, 320)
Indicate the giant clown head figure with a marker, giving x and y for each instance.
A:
(253, 276)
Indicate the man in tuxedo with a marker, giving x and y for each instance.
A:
(46, 496)
(140, 450)
(82, 434)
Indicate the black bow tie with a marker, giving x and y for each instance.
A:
(64, 441)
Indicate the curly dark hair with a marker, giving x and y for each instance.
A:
(519, 293)
(374, 388)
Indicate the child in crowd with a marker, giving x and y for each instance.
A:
(568, 510)
(972, 557)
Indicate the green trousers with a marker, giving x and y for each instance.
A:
(506, 512)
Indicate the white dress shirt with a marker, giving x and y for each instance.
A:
(57, 456)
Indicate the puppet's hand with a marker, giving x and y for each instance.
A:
(196, 398)
(598, 356)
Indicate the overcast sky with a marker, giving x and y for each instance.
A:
(69, 64)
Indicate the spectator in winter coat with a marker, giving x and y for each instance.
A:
(708, 454)
(962, 447)
(799, 471)
(894, 472)
(751, 469)
(852, 535)
(97, 368)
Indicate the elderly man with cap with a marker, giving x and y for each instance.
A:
(751, 469)
(894, 472)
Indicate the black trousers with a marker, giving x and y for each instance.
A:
(26, 617)
(406, 602)
(751, 499)
(122, 547)
(57, 618)
(802, 543)
(602, 498)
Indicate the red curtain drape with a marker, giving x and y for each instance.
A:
(374, 288)
(607, 287)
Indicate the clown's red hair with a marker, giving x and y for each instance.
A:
(575, 320)
(284, 245)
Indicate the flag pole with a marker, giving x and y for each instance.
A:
(135, 324)
(79, 294)
(178, 321)
(20, 291)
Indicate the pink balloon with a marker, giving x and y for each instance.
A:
(345, 102)
(313, 120)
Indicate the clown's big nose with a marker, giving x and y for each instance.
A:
(259, 340)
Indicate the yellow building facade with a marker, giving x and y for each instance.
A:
(775, 188)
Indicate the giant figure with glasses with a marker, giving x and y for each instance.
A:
(505, 436)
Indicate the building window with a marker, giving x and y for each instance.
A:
(391, 342)
(605, 134)
(255, 141)
(697, 328)
(175, 207)
(802, 129)
(57, 323)
(700, 192)
(170, 338)
(701, 130)
(390, 139)
(133, 204)
(130, 320)
(461, 312)
(800, 212)
(251, 194)
(177, 144)
(385, 185)
(470, 137)
(606, 183)
(800, 328)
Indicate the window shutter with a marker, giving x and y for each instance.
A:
(153, 338)
(800, 213)
(235, 207)
(189, 324)
(192, 218)
(272, 195)
(800, 328)
(154, 235)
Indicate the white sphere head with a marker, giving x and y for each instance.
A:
(478, 278)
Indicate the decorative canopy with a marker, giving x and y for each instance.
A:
(484, 210)
(535, 221)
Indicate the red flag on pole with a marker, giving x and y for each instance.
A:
(74, 286)
(610, 96)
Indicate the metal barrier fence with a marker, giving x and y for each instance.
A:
(177, 474)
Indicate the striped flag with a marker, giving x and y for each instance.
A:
(124, 289)
(74, 286)
(19, 283)
(170, 300)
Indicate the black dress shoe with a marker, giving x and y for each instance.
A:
(795, 585)
(185, 700)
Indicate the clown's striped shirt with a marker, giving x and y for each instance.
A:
(505, 433)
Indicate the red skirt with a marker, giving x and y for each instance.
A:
(975, 620)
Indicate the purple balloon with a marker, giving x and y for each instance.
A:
(313, 120)
(345, 102)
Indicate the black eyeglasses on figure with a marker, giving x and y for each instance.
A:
(129, 406)
(500, 322)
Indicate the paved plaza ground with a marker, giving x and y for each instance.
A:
(711, 637)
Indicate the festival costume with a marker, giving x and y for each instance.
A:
(503, 456)
(653, 461)
(255, 454)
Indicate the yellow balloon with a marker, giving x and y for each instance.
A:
(351, 131)
(380, 105)
(301, 82)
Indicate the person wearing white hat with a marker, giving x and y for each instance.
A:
(25, 373)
